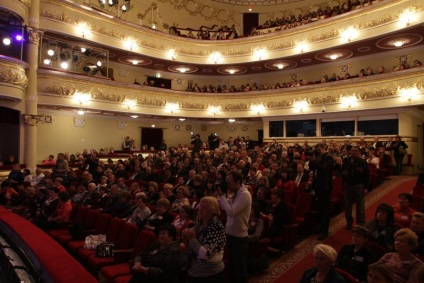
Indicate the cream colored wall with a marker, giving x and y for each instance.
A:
(99, 132)
(410, 124)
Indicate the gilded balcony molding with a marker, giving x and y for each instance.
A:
(12, 71)
(365, 18)
(367, 89)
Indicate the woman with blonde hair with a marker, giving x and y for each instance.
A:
(403, 262)
(324, 270)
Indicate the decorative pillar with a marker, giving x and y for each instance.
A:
(30, 116)
(318, 127)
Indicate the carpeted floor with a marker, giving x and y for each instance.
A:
(289, 267)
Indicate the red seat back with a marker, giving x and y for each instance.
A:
(114, 229)
(347, 276)
(304, 203)
(144, 239)
(80, 214)
(90, 218)
(127, 236)
(101, 224)
(292, 212)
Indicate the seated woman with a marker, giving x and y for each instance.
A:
(61, 214)
(183, 220)
(403, 211)
(382, 228)
(356, 257)
(142, 212)
(159, 218)
(205, 244)
(403, 263)
(181, 198)
(256, 223)
(380, 273)
(277, 214)
(160, 262)
(324, 270)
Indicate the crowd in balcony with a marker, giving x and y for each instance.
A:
(176, 186)
(225, 32)
(368, 71)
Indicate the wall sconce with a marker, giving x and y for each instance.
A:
(302, 46)
(257, 108)
(83, 29)
(407, 17)
(409, 93)
(300, 105)
(260, 54)
(215, 58)
(130, 103)
(349, 101)
(131, 43)
(171, 54)
(349, 33)
(214, 110)
(171, 107)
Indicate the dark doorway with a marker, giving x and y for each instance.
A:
(250, 20)
(9, 140)
(260, 137)
(151, 137)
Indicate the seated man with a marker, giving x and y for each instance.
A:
(15, 176)
(417, 225)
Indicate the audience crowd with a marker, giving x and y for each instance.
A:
(296, 83)
(175, 192)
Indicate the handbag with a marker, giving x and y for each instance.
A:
(105, 250)
(92, 241)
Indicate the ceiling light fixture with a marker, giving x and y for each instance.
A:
(280, 66)
(257, 108)
(182, 119)
(349, 101)
(409, 93)
(83, 29)
(131, 43)
(300, 105)
(7, 40)
(171, 54)
(126, 6)
(398, 43)
(64, 65)
(171, 107)
(231, 120)
(130, 103)
(134, 116)
(182, 69)
(407, 17)
(214, 110)
(232, 71)
(47, 61)
(349, 33)
(302, 46)
(82, 98)
(216, 58)
(334, 56)
(259, 54)
(81, 112)
(50, 52)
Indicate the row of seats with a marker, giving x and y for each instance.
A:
(50, 261)
(128, 241)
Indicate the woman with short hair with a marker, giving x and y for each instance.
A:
(324, 270)
(403, 262)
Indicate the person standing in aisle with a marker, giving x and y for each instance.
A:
(238, 214)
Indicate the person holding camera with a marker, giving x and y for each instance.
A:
(355, 176)
(322, 185)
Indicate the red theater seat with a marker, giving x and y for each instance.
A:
(144, 239)
(126, 239)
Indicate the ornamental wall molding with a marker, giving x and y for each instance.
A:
(231, 48)
(365, 89)
(12, 73)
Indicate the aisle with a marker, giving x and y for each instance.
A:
(290, 266)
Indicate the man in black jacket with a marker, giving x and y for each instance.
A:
(356, 176)
(322, 185)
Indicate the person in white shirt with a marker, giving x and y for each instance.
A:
(238, 214)
(37, 178)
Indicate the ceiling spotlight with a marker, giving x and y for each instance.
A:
(182, 119)
(134, 62)
(83, 49)
(280, 66)
(64, 65)
(134, 116)
(50, 52)
(47, 61)
(80, 112)
(183, 69)
(99, 63)
(232, 71)
(334, 56)
(231, 120)
(7, 41)
(19, 37)
(398, 43)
